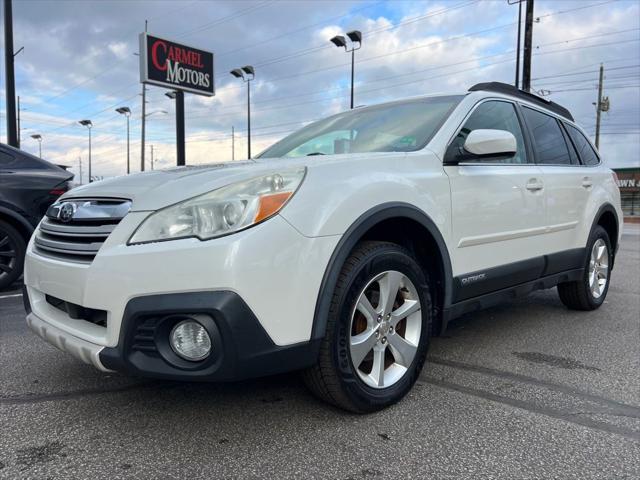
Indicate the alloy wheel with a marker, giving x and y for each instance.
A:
(7, 255)
(598, 268)
(385, 329)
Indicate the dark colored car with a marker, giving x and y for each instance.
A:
(28, 185)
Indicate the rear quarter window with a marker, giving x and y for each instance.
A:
(586, 152)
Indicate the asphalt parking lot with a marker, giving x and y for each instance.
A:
(524, 390)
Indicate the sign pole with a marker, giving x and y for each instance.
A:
(180, 150)
(181, 68)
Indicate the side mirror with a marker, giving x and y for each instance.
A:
(483, 144)
(491, 143)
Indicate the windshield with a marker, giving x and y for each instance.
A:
(396, 127)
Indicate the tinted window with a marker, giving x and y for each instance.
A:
(585, 150)
(6, 160)
(395, 127)
(551, 149)
(493, 115)
(17, 159)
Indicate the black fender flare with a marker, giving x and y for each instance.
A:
(349, 240)
(19, 219)
(607, 207)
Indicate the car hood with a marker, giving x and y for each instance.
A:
(160, 188)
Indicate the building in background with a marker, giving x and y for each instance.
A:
(629, 183)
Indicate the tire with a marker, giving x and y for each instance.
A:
(583, 294)
(12, 250)
(398, 354)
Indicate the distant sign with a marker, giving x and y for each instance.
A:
(172, 65)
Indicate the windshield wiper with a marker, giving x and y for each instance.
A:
(314, 154)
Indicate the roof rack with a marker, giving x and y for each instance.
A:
(507, 89)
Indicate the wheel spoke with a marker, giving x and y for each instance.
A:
(403, 351)
(8, 253)
(5, 268)
(364, 307)
(361, 345)
(603, 271)
(389, 286)
(602, 253)
(4, 241)
(377, 372)
(403, 311)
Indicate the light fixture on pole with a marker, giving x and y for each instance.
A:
(356, 38)
(38, 137)
(126, 111)
(88, 124)
(247, 74)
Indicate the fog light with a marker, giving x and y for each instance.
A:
(190, 341)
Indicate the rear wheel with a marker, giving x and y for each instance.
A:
(589, 292)
(377, 332)
(12, 249)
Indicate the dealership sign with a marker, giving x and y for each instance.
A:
(172, 65)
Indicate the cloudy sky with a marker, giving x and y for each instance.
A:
(79, 62)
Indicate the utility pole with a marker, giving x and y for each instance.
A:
(528, 40)
(518, 44)
(151, 157)
(19, 129)
(602, 105)
(12, 135)
(233, 143)
(144, 117)
(80, 168)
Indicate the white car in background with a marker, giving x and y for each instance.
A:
(338, 251)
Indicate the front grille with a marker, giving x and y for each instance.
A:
(74, 230)
(78, 312)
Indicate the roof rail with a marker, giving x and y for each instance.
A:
(507, 89)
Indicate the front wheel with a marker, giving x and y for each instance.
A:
(378, 330)
(589, 292)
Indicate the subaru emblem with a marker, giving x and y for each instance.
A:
(66, 212)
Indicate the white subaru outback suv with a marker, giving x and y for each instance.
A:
(339, 251)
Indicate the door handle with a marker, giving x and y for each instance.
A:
(534, 185)
(586, 182)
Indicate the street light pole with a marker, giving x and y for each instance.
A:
(88, 124)
(126, 111)
(249, 119)
(339, 41)
(247, 74)
(38, 137)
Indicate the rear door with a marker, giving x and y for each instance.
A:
(498, 212)
(567, 185)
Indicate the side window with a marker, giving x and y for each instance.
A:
(585, 151)
(494, 115)
(549, 143)
(6, 160)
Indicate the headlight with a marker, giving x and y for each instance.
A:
(222, 211)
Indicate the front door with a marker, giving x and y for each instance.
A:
(498, 209)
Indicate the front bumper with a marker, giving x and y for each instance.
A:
(240, 346)
(81, 349)
(272, 271)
